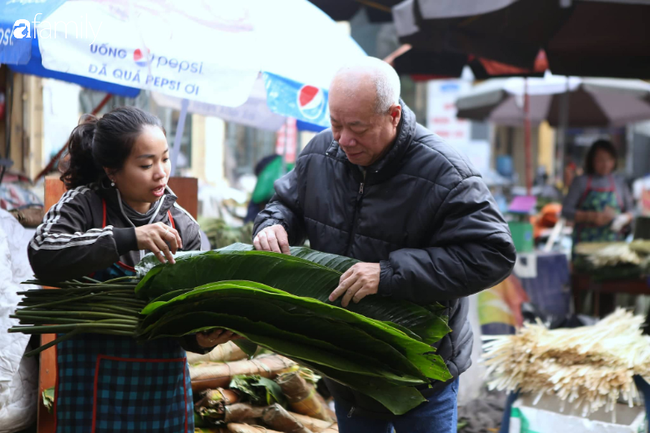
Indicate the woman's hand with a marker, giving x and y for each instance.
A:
(605, 217)
(621, 221)
(160, 239)
(215, 337)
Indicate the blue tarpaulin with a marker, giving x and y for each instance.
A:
(35, 67)
(21, 16)
(19, 45)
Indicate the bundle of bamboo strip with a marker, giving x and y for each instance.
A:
(216, 375)
(273, 416)
(276, 417)
(248, 400)
(222, 353)
(588, 367)
(302, 396)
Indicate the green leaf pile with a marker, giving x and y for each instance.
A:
(380, 346)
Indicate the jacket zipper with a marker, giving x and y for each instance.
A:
(354, 215)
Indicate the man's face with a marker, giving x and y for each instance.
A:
(363, 134)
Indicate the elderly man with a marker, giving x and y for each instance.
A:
(381, 188)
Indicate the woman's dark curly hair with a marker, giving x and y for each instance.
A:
(103, 142)
(605, 145)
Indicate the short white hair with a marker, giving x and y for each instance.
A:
(385, 78)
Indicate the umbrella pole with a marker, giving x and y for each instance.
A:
(527, 140)
(179, 135)
(561, 132)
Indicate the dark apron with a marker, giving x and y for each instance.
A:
(595, 200)
(110, 384)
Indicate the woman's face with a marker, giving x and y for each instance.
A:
(603, 163)
(143, 178)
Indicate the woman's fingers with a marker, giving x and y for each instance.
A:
(172, 237)
(164, 251)
(162, 240)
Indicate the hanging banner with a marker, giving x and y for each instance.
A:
(441, 110)
(300, 101)
(287, 136)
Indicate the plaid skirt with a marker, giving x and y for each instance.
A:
(110, 384)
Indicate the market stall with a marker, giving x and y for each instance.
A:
(609, 268)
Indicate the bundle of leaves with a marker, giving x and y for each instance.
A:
(380, 346)
(220, 234)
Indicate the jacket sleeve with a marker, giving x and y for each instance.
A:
(471, 250)
(284, 208)
(66, 246)
(190, 231)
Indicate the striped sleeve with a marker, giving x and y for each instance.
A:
(66, 245)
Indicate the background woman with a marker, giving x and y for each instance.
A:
(596, 198)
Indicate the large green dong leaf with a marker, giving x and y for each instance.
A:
(314, 276)
(215, 296)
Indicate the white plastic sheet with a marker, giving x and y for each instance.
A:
(18, 380)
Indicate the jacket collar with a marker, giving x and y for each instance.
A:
(389, 162)
(154, 214)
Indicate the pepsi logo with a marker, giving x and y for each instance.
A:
(139, 58)
(311, 102)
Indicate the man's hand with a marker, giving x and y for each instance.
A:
(357, 282)
(272, 238)
(215, 337)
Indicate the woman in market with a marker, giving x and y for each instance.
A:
(598, 202)
(117, 207)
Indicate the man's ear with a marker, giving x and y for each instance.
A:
(395, 114)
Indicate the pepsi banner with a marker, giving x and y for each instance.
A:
(293, 99)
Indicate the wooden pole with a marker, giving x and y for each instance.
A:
(527, 140)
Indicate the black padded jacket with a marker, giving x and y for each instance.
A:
(422, 212)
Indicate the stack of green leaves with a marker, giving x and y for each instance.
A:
(380, 346)
(220, 234)
(374, 357)
(306, 273)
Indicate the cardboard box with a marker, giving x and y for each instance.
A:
(547, 417)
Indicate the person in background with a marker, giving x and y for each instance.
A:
(571, 171)
(599, 202)
(268, 170)
(117, 206)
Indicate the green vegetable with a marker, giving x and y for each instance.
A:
(258, 390)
